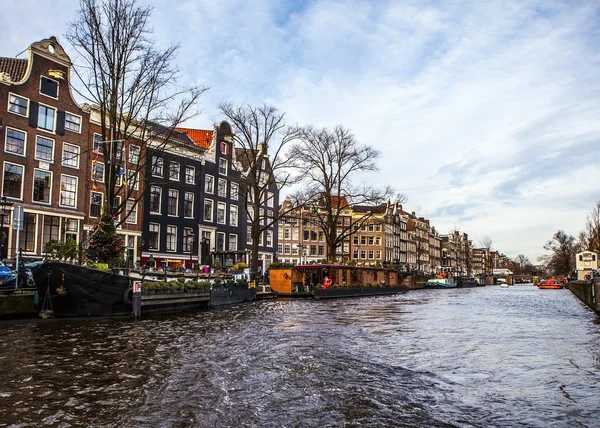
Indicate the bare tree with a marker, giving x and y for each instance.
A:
(486, 243)
(562, 248)
(592, 229)
(522, 261)
(132, 84)
(261, 136)
(328, 160)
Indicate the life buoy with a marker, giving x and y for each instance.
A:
(326, 283)
(127, 296)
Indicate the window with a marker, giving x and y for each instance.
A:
(363, 254)
(27, 238)
(233, 215)
(174, 171)
(371, 254)
(42, 183)
(355, 254)
(208, 210)
(17, 104)
(313, 250)
(98, 145)
(371, 240)
(371, 227)
(68, 191)
(134, 154)
(153, 236)
(15, 141)
(172, 202)
(155, 196)
(286, 233)
(131, 212)
(188, 240)
(269, 238)
(220, 241)
(44, 149)
(171, 238)
(280, 248)
(248, 235)
(95, 204)
(224, 147)
(188, 205)
(190, 175)
(234, 191)
(378, 227)
(72, 122)
(70, 155)
(222, 166)
(222, 188)
(378, 240)
(13, 181)
(321, 250)
(286, 249)
(132, 180)
(232, 242)
(49, 87)
(363, 240)
(378, 254)
(157, 166)
(98, 171)
(269, 197)
(51, 229)
(209, 184)
(46, 117)
(221, 208)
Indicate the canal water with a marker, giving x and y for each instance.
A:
(476, 357)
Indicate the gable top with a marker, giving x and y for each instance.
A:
(200, 137)
(50, 48)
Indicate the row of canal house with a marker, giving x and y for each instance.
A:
(191, 208)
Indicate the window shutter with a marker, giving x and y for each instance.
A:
(60, 122)
(33, 114)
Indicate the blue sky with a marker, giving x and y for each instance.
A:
(486, 112)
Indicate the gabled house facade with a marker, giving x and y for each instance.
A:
(44, 133)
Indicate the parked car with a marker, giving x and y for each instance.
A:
(8, 279)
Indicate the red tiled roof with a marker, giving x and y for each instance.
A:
(15, 68)
(201, 137)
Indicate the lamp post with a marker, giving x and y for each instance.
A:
(5, 207)
(190, 238)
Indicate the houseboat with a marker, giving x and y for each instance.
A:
(440, 283)
(323, 281)
(551, 284)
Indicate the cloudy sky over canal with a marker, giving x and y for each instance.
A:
(486, 113)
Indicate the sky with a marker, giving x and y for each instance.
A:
(486, 113)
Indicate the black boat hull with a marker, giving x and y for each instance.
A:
(337, 292)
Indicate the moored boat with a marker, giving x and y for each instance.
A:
(264, 291)
(440, 283)
(551, 284)
(468, 281)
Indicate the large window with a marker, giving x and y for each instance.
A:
(51, 229)
(232, 242)
(132, 180)
(248, 235)
(131, 212)
(209, 184)
(269, 197)
(12, 186)
(222, 166)
(157, 166)
(72, 122)
(70, 155)
(171, 238)
(95, 204)
(15, 141)
(44, 149)
(17, 104)
(234, 191)
(221, 208)
(27, 237)
(174, 171)
(188, 240)
(190, 175)
(134, 154)
(269, 238)
(220, 241)
(188, 205)
(155, 193)
(48, 87)
(222, 189)
(46, 117)
(98, 144)
(153, 236)
(233, 215)
(172, 202)
(68, 191)
(42, 184)
(97, 171)
(208, 210)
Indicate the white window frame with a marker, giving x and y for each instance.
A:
(24, 154)
(233, 210)
(222, 184)
(269, 238)
(193, 175)
(185, 195)
(20, 198)
(224, 235)
(159, 200)
(134, 154)
(33, 187)
(248, 235)
(222, 205)
(232, 235)
(176, 192)
(234, 195)
(61, 190)
(171, 165)
(132, 174)
(53, 149)
(40, 105)
(269, 197)
(100, 204)
(95, 163)
(158, 164)
(206, 189)
(131, 218)
(226, 166)
(170, 249)
(10, 94)
(96, 140)
(57, 87)
(212, 210)
(76, 158)
(78, 131)
(150, 225)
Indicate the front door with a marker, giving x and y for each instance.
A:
(3, 242)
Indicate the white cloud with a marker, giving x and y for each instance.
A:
(485, 110)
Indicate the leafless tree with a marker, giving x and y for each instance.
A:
(592, 229)
(486, 243)
(132, 83)
(522, 261)
(328, 161)
(562, 248)
(261, 136)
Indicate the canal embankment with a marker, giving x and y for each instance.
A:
(587, 292)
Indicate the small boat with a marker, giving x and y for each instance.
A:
(554, 284)
(440, 283)
(264, 291)
(504, 285)
(468, 281)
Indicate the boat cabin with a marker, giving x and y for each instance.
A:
(586, 263)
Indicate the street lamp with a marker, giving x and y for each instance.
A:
(5, 207)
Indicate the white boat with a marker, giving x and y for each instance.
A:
(504, 285)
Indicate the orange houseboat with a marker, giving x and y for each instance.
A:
(551, 284)
(330, 281)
